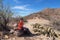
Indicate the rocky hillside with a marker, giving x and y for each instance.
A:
(46, 13)
(50, 14)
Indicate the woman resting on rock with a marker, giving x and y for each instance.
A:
(21, 29)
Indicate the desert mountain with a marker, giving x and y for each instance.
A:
(46, 13)
(49, 14)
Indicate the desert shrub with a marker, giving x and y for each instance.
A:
(40, 29)
(56, 23)
(5, 15)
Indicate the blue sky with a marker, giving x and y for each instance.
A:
(26, 7)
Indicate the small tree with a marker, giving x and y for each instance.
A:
(5, 14)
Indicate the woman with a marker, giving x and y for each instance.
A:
(20, 27)
(20, 24)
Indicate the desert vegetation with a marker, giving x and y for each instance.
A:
(45, 30)
(5, 14)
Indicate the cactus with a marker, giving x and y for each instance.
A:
(44, 30)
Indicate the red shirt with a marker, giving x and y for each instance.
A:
(20, 25)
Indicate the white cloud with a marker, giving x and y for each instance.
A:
(24, 7)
